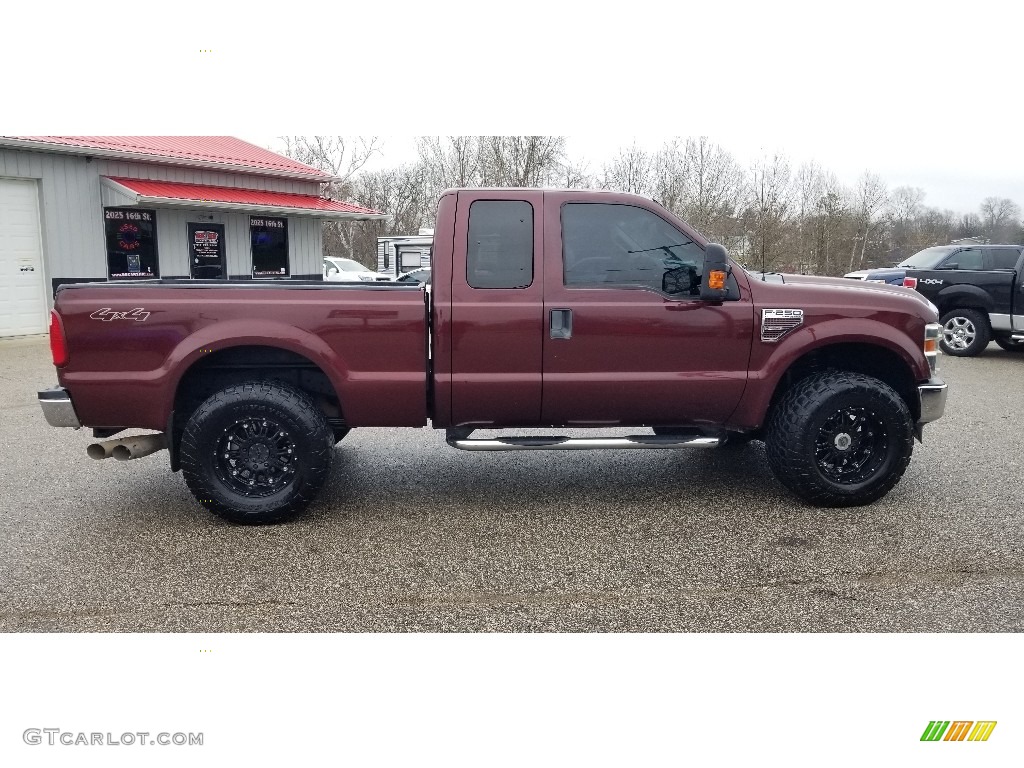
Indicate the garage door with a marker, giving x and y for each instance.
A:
(22, 296)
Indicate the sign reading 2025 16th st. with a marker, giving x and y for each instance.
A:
(131, 243)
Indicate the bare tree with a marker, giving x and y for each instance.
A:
(340, 156)
(403, 193)
(343, 157)
(807, 191)
(998, 215)
(519, 161)
(903, 210)
(632, 170)
(570, 174)
(668, 176)
(451, 161)
(713, 186)
(968, 225)
(869, 197)
(768, 206)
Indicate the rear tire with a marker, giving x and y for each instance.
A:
(840, 439)
(1010, 345)
(965, 332)
(257, 452)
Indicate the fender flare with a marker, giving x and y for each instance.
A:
(248, 333)
(962, 296)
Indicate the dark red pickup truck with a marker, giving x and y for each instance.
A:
(567, 309)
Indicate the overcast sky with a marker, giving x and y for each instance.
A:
(956, 179)
(923, 93)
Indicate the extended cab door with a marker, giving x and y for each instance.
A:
(627, 339)
(497, 309)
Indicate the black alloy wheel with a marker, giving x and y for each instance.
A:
(839, 439)
(851, 445)
(257, 452)
(255, 457)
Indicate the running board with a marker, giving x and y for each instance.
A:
(558, 443)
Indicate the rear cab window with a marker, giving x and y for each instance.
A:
(500, 248)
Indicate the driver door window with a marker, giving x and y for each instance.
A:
(969, 258)
(607, 245)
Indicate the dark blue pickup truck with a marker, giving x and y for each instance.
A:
(973, 257)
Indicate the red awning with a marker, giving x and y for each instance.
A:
(173, 193)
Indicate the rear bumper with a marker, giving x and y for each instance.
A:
(58, 408)
(933, 403)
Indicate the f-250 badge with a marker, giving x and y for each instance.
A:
(107, 314)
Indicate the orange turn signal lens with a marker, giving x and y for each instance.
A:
(931, 346)
(716, 280)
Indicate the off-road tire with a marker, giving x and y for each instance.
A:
(298, 463)
(805, 455)
(1009, 344)
(974, 323)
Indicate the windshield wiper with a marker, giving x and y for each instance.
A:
(664, 248)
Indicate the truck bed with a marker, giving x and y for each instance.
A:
(132, 342)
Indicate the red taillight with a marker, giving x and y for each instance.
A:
(58, 344)
(910, 282)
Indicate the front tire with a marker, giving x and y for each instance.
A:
(840, 439)
(965, 332)
(257, 452)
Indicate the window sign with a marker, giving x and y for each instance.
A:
(269, 247)
(131, 243)
(206, 251)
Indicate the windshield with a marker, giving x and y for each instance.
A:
(928, 258)
(346, 265)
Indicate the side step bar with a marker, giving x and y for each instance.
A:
(459, 439)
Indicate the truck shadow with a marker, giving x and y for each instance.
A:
(450, 478)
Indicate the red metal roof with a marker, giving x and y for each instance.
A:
(208, 196)
(226, 150)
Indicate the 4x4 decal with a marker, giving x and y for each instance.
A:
(107, 314)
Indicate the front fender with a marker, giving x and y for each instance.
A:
(771, 361)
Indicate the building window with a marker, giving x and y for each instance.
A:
(131, 243)
(206, 251)
(269, 247)
(500, 248)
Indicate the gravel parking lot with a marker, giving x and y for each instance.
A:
(411, 535)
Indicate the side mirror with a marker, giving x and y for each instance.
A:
(713, 285)
(333, 271)
(681, 280)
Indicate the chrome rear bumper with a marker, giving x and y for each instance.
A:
(58, 409)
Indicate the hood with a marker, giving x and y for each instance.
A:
(842, 291)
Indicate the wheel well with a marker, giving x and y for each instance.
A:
(871, 360)
(962, 302)
(235, 365)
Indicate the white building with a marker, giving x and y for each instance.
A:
(87, 208)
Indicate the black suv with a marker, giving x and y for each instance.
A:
(978, 292)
